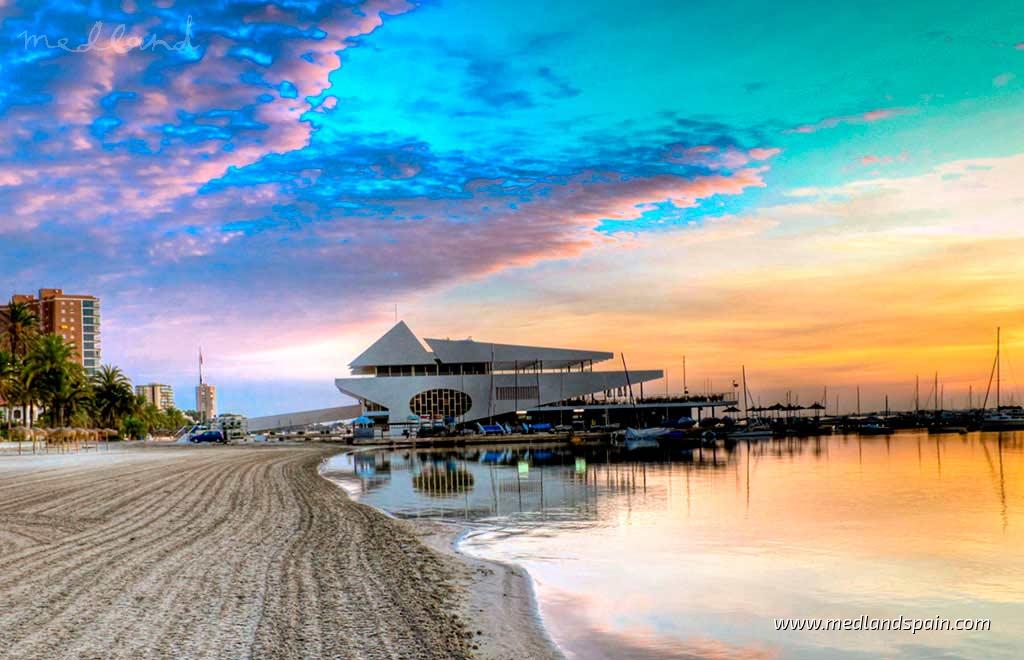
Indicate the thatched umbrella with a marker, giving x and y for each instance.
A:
(817, 408)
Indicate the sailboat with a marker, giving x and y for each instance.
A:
(643, 438)
(750, 431)
(1000, 419)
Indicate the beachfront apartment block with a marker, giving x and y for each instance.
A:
(399, 378)
(160, 395)
(206, 402)
(74, 317)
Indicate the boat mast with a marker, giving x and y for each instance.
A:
(999, 368)
(746, 415)
(629, 385)
(917, 394)
(936, 391)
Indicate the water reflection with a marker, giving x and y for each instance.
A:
(694, 553)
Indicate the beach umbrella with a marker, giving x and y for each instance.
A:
(362, 420)
(731, 409)
(816, 407)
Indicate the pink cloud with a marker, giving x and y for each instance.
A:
(713, 157)
(183, 169)
(871, 159)
(760, 153)
(862, 118)
(1003, 79)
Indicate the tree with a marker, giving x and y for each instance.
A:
(133, 427)
(21, 323)
(59, 382)
(174, 419)
(112, 396)
(8, 373)
(148, 415)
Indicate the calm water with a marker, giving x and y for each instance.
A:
(695, 555)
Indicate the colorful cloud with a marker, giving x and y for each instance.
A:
(300, 167)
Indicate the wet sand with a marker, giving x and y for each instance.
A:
(230, 552)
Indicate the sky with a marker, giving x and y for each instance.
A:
(826, 193)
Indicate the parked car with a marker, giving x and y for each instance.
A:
(207, 436)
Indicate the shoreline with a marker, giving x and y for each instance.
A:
(499, 604)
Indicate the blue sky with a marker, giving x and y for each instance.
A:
(273, 189)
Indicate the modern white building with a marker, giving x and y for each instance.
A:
(400, 378)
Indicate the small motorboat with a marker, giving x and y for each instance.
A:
(752, 433)
(873, 428)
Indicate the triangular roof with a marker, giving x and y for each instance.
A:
(507, 356)
(397, 346)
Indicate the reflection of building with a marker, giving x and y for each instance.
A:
(76, 318)
(398, 378)
(206, 401)
(161, 396)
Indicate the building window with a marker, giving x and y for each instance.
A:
(521, 393)
(440, 403)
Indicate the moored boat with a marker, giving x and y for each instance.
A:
(756, 432)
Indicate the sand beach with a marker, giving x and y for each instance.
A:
(166, 551)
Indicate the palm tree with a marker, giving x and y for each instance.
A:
(60, 382)
(112, 397)
(20, 323)
(8, 371)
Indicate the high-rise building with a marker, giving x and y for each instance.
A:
(74, 317)
(161, 396)
(206, 402)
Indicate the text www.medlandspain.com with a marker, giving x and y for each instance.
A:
(901, 623)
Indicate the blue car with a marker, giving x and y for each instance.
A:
(207, 436)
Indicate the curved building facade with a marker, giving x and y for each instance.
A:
(399, 377)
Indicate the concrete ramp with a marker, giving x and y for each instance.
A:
(303, 418)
